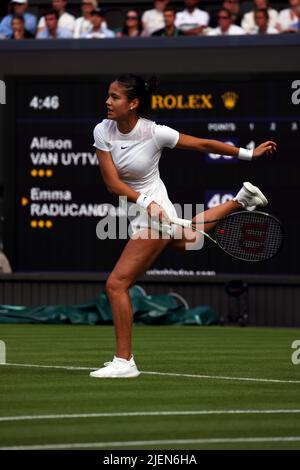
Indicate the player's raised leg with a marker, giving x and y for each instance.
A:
(249, 197)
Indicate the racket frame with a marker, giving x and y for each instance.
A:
(190, 224)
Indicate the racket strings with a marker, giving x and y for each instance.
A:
(249, 236)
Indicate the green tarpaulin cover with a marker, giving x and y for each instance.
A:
(165, 309)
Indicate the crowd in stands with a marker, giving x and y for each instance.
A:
(162, 20)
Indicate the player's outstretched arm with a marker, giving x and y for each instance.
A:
(206, 145)
(266, 147)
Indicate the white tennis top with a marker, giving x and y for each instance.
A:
(186, 20)
(136, 156)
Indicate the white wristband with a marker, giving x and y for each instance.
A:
(245, 154)
(144, 201)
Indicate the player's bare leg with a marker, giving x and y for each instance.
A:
(247, 198)
(137, 257)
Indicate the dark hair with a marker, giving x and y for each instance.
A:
(172, 9)
(262, 10)
(138, 88)
(140, 24)
(98, 12)
(18, 17)
(51, 11)
(228, 12)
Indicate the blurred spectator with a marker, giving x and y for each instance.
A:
(18, 7)
(248, 23)
(234, 7)
(295, 27)
(170, 29)
(98, 30)
(288, 17)
(261, 18)
(52, 29)
(226, 26)
(192, 20)
(66, 20)
(154, 19)
(132, 26)
(18, 27)
(83, 24)
(5, 267)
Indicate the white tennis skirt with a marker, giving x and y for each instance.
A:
(139, 217)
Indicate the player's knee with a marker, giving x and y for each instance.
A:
(114, 285)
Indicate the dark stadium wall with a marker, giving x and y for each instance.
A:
(186, 55)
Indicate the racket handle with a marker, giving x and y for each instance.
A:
(182, 222)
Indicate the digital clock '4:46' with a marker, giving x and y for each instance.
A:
(48, 102)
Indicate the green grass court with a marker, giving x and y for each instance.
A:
(214, 367)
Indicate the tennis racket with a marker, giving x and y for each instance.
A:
(248, 236)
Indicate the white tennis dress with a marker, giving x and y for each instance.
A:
(136, 156)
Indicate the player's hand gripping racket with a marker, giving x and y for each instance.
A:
(248, 236)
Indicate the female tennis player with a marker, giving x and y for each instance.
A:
(128, 148)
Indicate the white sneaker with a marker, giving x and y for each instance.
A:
(117, 368)
(250, 196)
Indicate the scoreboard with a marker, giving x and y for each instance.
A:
(56, 195)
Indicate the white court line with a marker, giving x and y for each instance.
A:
(221, 377)
(147, 413)
(105, 445)
(42, 366)
(171, 374)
